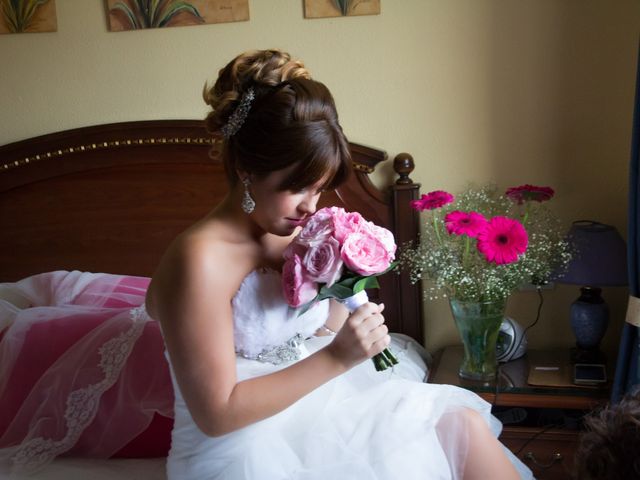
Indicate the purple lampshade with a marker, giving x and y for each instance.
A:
(600, 256)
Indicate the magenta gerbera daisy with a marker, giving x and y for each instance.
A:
(525, 193)
(465, 223)
(432, 200)
(503, 240)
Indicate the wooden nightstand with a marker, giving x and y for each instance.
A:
(541, 424)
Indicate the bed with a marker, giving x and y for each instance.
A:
(109, 198)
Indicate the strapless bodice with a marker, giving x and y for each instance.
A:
(263, 320)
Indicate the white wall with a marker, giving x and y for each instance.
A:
(528, 91)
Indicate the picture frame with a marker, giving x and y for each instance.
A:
(340, 8)
(131, 15)
(28, 16)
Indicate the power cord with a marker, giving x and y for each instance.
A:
(524, 333)
(540, 303)
(536, 435)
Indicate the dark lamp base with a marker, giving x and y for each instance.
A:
(589, 318)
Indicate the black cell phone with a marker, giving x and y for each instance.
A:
(589, 373)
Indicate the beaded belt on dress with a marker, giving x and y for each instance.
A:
(287, 352)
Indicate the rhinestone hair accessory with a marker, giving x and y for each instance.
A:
(239, 115)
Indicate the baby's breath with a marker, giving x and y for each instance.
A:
(441, 260)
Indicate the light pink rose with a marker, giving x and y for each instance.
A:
(365, 254)
(295, 248)
(322, 262)
(345, 223)
(317, 228)
(386, 237)
(296, 288)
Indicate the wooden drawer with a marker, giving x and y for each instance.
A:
(549, 454)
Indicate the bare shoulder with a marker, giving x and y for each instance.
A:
(200, 263)
(190, 296)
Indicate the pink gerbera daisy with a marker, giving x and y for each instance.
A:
(432, 200)
(525, 193)
(503, 240)
(465, 223)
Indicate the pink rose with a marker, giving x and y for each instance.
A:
(322, 262)
(365, 254)
(296, 289)
(317, 228)
(295, 248)
(345, 223)
(386, 237)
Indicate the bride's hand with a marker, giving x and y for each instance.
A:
(362, 336)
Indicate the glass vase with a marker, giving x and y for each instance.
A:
(478, 324)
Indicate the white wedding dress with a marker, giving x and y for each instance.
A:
(362, 425)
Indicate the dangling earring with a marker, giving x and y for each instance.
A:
(248, 203)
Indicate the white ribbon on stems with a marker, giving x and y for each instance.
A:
(384, 359)
(355, 300)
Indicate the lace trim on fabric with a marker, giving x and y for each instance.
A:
(82, 404)
(280, 354)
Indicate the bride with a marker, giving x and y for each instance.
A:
(252, 400)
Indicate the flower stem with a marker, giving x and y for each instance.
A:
(436, 229)
(384, 360)
(380, 363)
(467, 244)
(526, 213)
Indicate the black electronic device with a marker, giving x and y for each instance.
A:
(589, 373)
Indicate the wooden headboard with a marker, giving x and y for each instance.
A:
(110, 198)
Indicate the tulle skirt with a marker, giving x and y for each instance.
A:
(361, 425)
(82, 371)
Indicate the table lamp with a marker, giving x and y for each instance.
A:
(599, 260)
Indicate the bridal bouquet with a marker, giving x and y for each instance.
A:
(482, 245)
(338, 254)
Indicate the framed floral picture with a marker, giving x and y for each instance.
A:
(139, 14)
(28, 16)
(340, 8)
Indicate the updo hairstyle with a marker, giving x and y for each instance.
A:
(292, 120)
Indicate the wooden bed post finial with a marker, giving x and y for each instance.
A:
(406, 225)
(403, 165)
